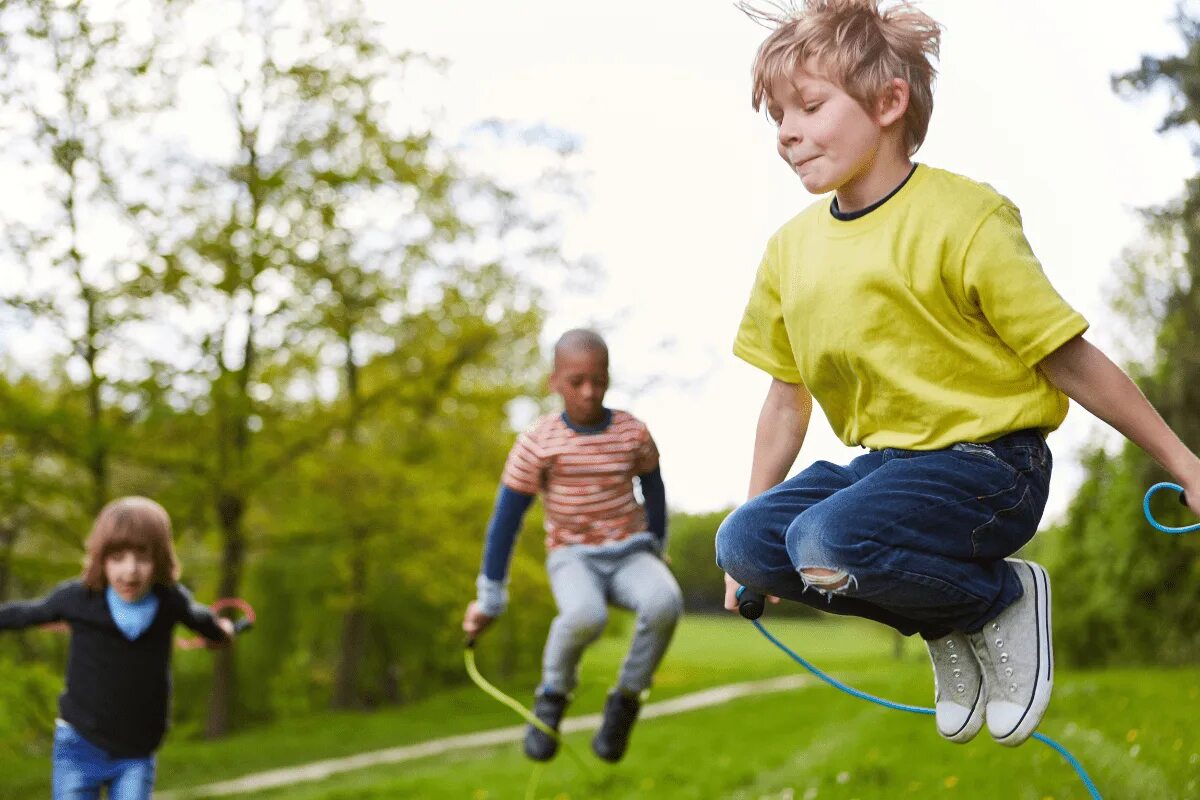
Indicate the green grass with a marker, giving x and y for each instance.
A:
(1135, 730)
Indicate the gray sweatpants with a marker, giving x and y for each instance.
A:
(585, 579)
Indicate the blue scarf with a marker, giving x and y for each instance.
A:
(132, 618)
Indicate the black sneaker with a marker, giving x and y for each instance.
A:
(620, 712)
(549, 707)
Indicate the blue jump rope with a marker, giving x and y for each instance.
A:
(751, 604)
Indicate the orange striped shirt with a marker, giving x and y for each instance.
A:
(586, 479)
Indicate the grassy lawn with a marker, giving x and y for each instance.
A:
(1134, 730)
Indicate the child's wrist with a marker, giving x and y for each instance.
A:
(491, 595)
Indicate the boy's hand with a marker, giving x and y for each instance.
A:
(731, 601)
(475, 621)
(227, 626)
(1192, 495)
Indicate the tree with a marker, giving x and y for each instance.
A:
(1119, 591)
(78, 84)
(335, 233)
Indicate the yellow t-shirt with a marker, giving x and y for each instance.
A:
(917, 325)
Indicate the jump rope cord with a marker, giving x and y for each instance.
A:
(482, 683)
(526, 714)
(1155, 523)
(1070, 759)
(850, 690)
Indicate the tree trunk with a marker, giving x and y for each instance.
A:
(231, 510)
(354, 621)
(8, 541)
(354, 627)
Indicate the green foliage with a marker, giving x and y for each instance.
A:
(693, 560)
(1122, 591)
(1120, 588)
(28, 696)
(352, 310)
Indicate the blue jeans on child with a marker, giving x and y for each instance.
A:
(81, 768)
(585, 579)
(916, 539)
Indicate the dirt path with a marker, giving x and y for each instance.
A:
(319, 770)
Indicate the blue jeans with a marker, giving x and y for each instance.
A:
(585, 579)
(81, 768)
(914, 539)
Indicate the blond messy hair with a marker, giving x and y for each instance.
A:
(857, 44)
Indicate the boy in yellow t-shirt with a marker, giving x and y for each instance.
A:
(911, 307)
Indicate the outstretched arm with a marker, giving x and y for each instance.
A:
(1091, 379)
(27, 613)
(503, 527)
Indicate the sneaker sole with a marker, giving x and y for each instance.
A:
(1044, 682)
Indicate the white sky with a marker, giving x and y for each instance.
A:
(684, 186)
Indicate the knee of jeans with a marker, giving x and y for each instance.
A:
(730, 545)
(822, 556)
(663, 611)
(585, 624)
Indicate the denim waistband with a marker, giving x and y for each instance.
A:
(1025, 436)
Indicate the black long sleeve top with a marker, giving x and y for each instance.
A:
(117, 691)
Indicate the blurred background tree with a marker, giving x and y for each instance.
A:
(300, 330)
(1123, 593)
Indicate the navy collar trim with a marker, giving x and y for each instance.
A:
(862, 212)
(599, 427)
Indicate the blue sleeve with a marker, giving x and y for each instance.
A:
(654, 494)
(503, 527)
(491, 591)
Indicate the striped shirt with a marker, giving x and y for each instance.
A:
(586, 479)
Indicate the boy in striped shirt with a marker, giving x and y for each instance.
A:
(603, 546)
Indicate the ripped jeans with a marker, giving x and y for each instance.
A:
(913, 539)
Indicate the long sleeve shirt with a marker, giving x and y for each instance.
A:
(117, 691)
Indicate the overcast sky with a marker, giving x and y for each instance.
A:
(683, 185)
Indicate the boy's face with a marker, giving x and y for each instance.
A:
(130, 573)
(580, 377)
(825, 135)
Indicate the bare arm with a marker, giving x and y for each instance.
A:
(1091, 379)
(782, 426)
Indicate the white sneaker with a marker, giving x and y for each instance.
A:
(1016, 653)
(958, 685)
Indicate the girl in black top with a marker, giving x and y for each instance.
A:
(121, 612)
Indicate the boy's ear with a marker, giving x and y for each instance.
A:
(893, 102)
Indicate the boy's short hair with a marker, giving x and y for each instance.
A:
(858, 45)
(582, 340)
(131, 523)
